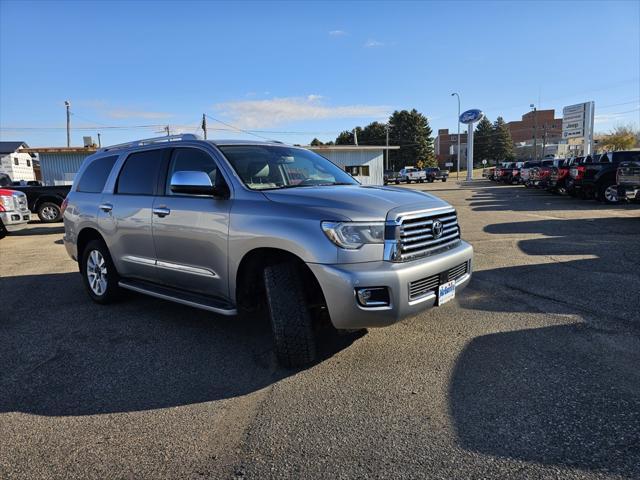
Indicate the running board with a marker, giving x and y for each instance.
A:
(179, 296)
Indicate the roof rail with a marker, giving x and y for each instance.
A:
(150, 141)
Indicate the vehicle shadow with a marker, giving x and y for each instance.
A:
(551, 395)
(44, 229)
(585, 265)
(65, 355)
(501, 197)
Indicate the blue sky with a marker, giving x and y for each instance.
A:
(311, 67)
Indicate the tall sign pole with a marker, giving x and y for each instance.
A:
(470, 117)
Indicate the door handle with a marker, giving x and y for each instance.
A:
(161, 211)
(106, 207)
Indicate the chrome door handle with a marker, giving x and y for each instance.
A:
(161, 211)
(106, 207)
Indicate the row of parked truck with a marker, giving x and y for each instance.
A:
(415, 175)
(610, 177)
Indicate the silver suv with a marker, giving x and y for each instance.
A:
(232, 225)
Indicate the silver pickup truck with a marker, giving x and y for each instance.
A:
(229, 225)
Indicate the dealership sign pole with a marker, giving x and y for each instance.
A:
(577, 125)
(470, 117)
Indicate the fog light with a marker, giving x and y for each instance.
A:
(373, 296)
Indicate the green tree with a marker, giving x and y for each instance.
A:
(502, 144)
(482, 141)
(411, 131)
(316, 143)
(373, 134)
(347, 137)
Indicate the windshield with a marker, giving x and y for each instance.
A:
(263, 167)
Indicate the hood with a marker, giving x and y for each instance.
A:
(355, 202)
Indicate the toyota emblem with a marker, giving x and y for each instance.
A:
(436, 229)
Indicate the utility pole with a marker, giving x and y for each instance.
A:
(99, 141)
(67, 104)
(167, 130)
(355, 136)
(387, 129)
(544, 138)
(458, 162)
(204, 125)
(535, 131)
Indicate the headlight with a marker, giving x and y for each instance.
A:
(6, 203)
(353, 235)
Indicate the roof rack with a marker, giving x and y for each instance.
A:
(150, 141)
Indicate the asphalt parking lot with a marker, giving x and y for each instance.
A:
(531, 372)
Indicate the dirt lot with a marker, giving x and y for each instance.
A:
(532, 372)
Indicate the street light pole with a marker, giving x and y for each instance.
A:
(67, 104)
(458, 162)
(535, 131)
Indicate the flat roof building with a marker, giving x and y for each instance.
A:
(364, 162)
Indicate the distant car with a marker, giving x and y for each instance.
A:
(597, 178)
(412, 174)
(628, 180)
(46, 202)
(489, 173)
(525, 171)
(434, 173)
(14, 212)
(391, 176)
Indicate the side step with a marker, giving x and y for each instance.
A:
(196, 300)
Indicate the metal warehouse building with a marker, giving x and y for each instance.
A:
(59, 165)
(365, 163)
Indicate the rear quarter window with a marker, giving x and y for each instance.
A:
(96, 174)
(139, 175)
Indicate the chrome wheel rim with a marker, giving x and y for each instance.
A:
(97, 272)
(611, 194)
(49, 213)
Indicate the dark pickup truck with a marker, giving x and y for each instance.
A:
(434, 173)
(628, 179)
(46, 202)
(598, 178)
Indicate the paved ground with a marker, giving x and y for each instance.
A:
(532, 372)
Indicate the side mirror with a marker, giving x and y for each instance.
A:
(196, 183)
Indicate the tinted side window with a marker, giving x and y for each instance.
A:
(193, 160)
(95, 176)
(139, 174)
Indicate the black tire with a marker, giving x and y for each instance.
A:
(3, 231)
(608, 193)
(49, 212)
(444, 179)
(431, 180)
(397, 182)
(293, 335)
(107, 272)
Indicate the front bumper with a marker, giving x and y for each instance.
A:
(629, 192)
(15, 220)
(338, 283)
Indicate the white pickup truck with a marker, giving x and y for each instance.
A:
(412, 174)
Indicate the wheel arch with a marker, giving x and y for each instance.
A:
(84, 237)
(47, 198)
(248, 277)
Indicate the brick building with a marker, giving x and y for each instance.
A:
(446, 147)
(534, 124)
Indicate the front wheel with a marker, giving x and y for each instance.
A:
(608, 193)
(291, 322)
(444, 179)
(99, 273)
(49, 212)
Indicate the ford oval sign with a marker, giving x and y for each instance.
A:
(471, 116)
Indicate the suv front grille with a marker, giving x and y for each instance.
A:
(429, 285)
(418, 238)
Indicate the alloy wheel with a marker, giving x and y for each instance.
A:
(97, 272)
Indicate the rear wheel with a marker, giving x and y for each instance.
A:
(3, 231)
(291, 321)
(49, 212)
(99, 273)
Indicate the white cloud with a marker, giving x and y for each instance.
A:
(277, 111)
(371, 43)
(125, 113)
(337, 33)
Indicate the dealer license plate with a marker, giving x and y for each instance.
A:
(446, 292)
